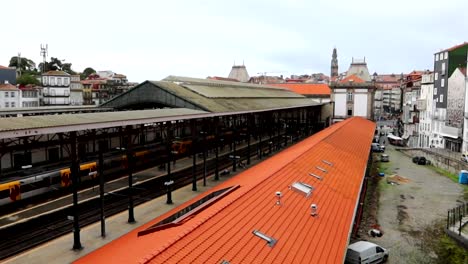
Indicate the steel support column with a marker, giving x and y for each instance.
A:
(216, 142)
(169, 181)
(102, 143)
(75, 174)
(194, 154)
(131, 216)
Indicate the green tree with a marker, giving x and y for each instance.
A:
(56, 64)
(26, 65)
(88, 71)
(26, 79)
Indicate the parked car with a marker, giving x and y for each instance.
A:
(366, 252)
(421, 160)
(384, 158)
(376, 147)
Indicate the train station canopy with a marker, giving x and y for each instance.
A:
(295, 207)
(207, 95)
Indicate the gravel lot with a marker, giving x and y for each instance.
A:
(407, 209)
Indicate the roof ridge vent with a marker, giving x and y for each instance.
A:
(322, 169)
(270, 241)
(302, 188)
(316, 176)
(327, 162)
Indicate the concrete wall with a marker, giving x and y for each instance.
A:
(450, 164)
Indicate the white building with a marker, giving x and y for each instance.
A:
(425, 107)
(30, 97)
(9, 95)
(76, 90)
(56, 89)
(352, 96)
(452, 130)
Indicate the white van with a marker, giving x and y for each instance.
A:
(366, 252)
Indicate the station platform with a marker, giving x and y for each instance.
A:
(60, 250)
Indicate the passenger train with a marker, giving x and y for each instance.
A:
(34, 185)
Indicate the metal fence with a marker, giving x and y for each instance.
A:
(457, 217)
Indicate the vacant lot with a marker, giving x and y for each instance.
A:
(407, 209)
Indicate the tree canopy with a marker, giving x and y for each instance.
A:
(26, 65)
(88, 71)
(26, 79)
(56, 64)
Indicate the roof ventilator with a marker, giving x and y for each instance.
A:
(302, 188)
(270, 241)
(225, 262)
(322, 169)
(315, 176)
(327, 162)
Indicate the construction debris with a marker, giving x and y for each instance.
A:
(397, 179)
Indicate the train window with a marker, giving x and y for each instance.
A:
(21, 159)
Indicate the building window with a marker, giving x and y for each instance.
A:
(350, 112)
(446, 55)
(6, 94)
(436, 76)
(52, 81)
(349, 97)
(436, 57)
(65, 81)
(12, 94)
(7, 104)
(441, 98)
(442, 82)
(59, 81)
(443, 67)
(13, 104)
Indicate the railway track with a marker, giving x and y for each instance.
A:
(34, 232)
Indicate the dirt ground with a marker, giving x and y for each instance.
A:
(418, 200)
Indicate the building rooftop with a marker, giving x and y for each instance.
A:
(8, 87)
(56, 73)
(241, 220)
(455, 47)
(352, 78)
(306, 88)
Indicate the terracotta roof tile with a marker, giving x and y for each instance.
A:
(55, 73)
(306, 88)
(456, 47)
(352, 78)
(223, 231)
(463, 70)
(8, 87)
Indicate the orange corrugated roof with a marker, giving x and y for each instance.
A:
(352, 78)
(224, 230)
(306, 88)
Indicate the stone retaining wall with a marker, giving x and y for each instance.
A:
(447, 163)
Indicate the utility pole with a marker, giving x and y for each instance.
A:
(19, 63)
(44, 54)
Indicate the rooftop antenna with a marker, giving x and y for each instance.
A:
(19, 63)
(44, 54)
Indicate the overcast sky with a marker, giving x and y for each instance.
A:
(149, 40)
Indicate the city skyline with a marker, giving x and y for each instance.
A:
(149, 41)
